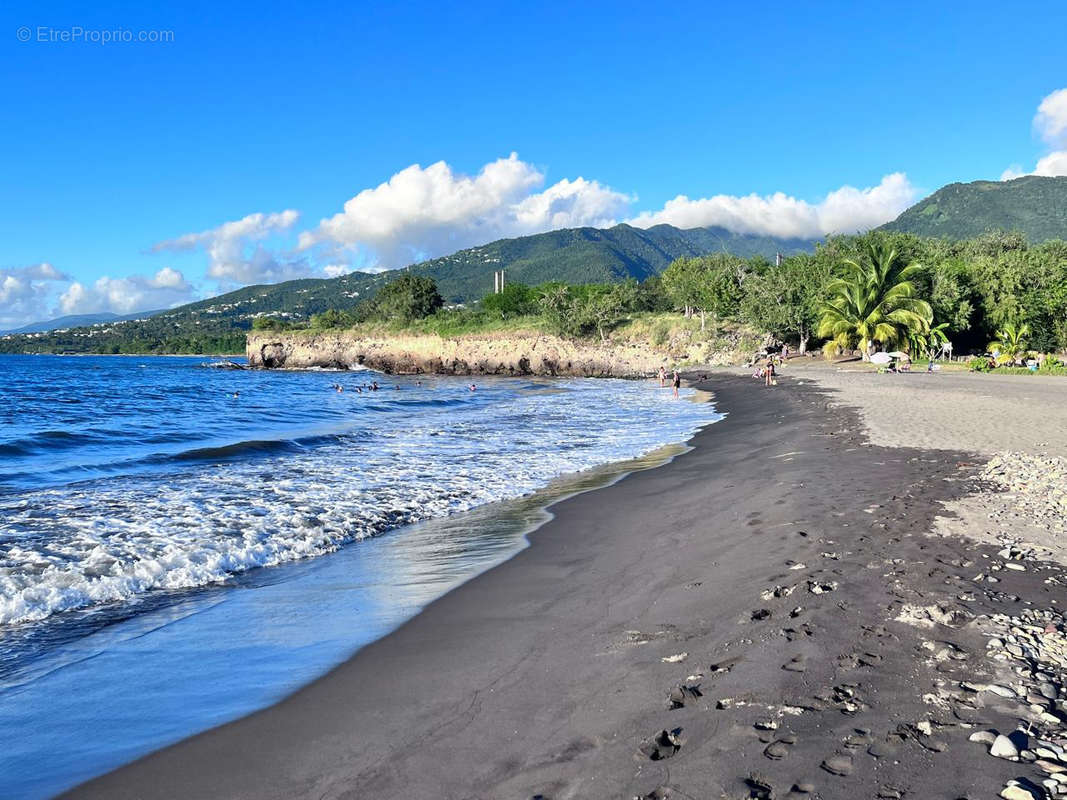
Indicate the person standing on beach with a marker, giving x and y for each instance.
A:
(662, 377)
(769, 372)
(676, 382)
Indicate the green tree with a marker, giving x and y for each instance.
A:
(705, 284)
(952, 295)
(517, 300)
(873, 303)
(332, 318)
(1011, 341)
(784, 300)
(651, 296)
(408, 298)
(603, 308)
(270, 324)
(926, 343)
(558, 307)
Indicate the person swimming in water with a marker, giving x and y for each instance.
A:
(472, 387)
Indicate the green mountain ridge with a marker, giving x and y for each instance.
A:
(573, 255)
(1033, 205)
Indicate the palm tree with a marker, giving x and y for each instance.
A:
(874, 303)
(1011, 341)
(927, 343)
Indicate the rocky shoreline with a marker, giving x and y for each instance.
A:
(471, 354)
(468, 355)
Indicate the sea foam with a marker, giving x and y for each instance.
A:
(215, 514)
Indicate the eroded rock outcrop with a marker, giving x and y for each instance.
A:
(487, 354)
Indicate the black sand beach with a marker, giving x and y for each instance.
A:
(755, 583)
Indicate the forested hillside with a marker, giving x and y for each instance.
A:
(1034, 206)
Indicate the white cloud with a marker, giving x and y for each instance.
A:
(41, 292)
(1052, 165)
(236, 253)
(166, 288)
(1051, 118)
(25, 293)
(1050, 122)
(844, 210)
(425, 212)
(168, 278)
(336, 270)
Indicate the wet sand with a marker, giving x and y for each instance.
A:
(766, 616)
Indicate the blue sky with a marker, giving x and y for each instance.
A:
(125, 159)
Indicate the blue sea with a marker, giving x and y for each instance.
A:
(182, 544)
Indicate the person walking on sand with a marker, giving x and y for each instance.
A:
(676, 382)
(769, 372)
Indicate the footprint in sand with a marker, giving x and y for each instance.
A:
(858, 739)
(759, 787)
(795, 664)
(888, 792)
(794, 633)
(780, 747)
(723, 666)
(889, 747)
(840, 764)
(879, 632)
(684, 694)
(663, 745)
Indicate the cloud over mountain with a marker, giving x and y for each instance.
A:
(424, 212)
(1050, 123)
(167, 287)
(844, 210)
(25, 291)
(40, 291)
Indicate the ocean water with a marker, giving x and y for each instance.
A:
(180, 544)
